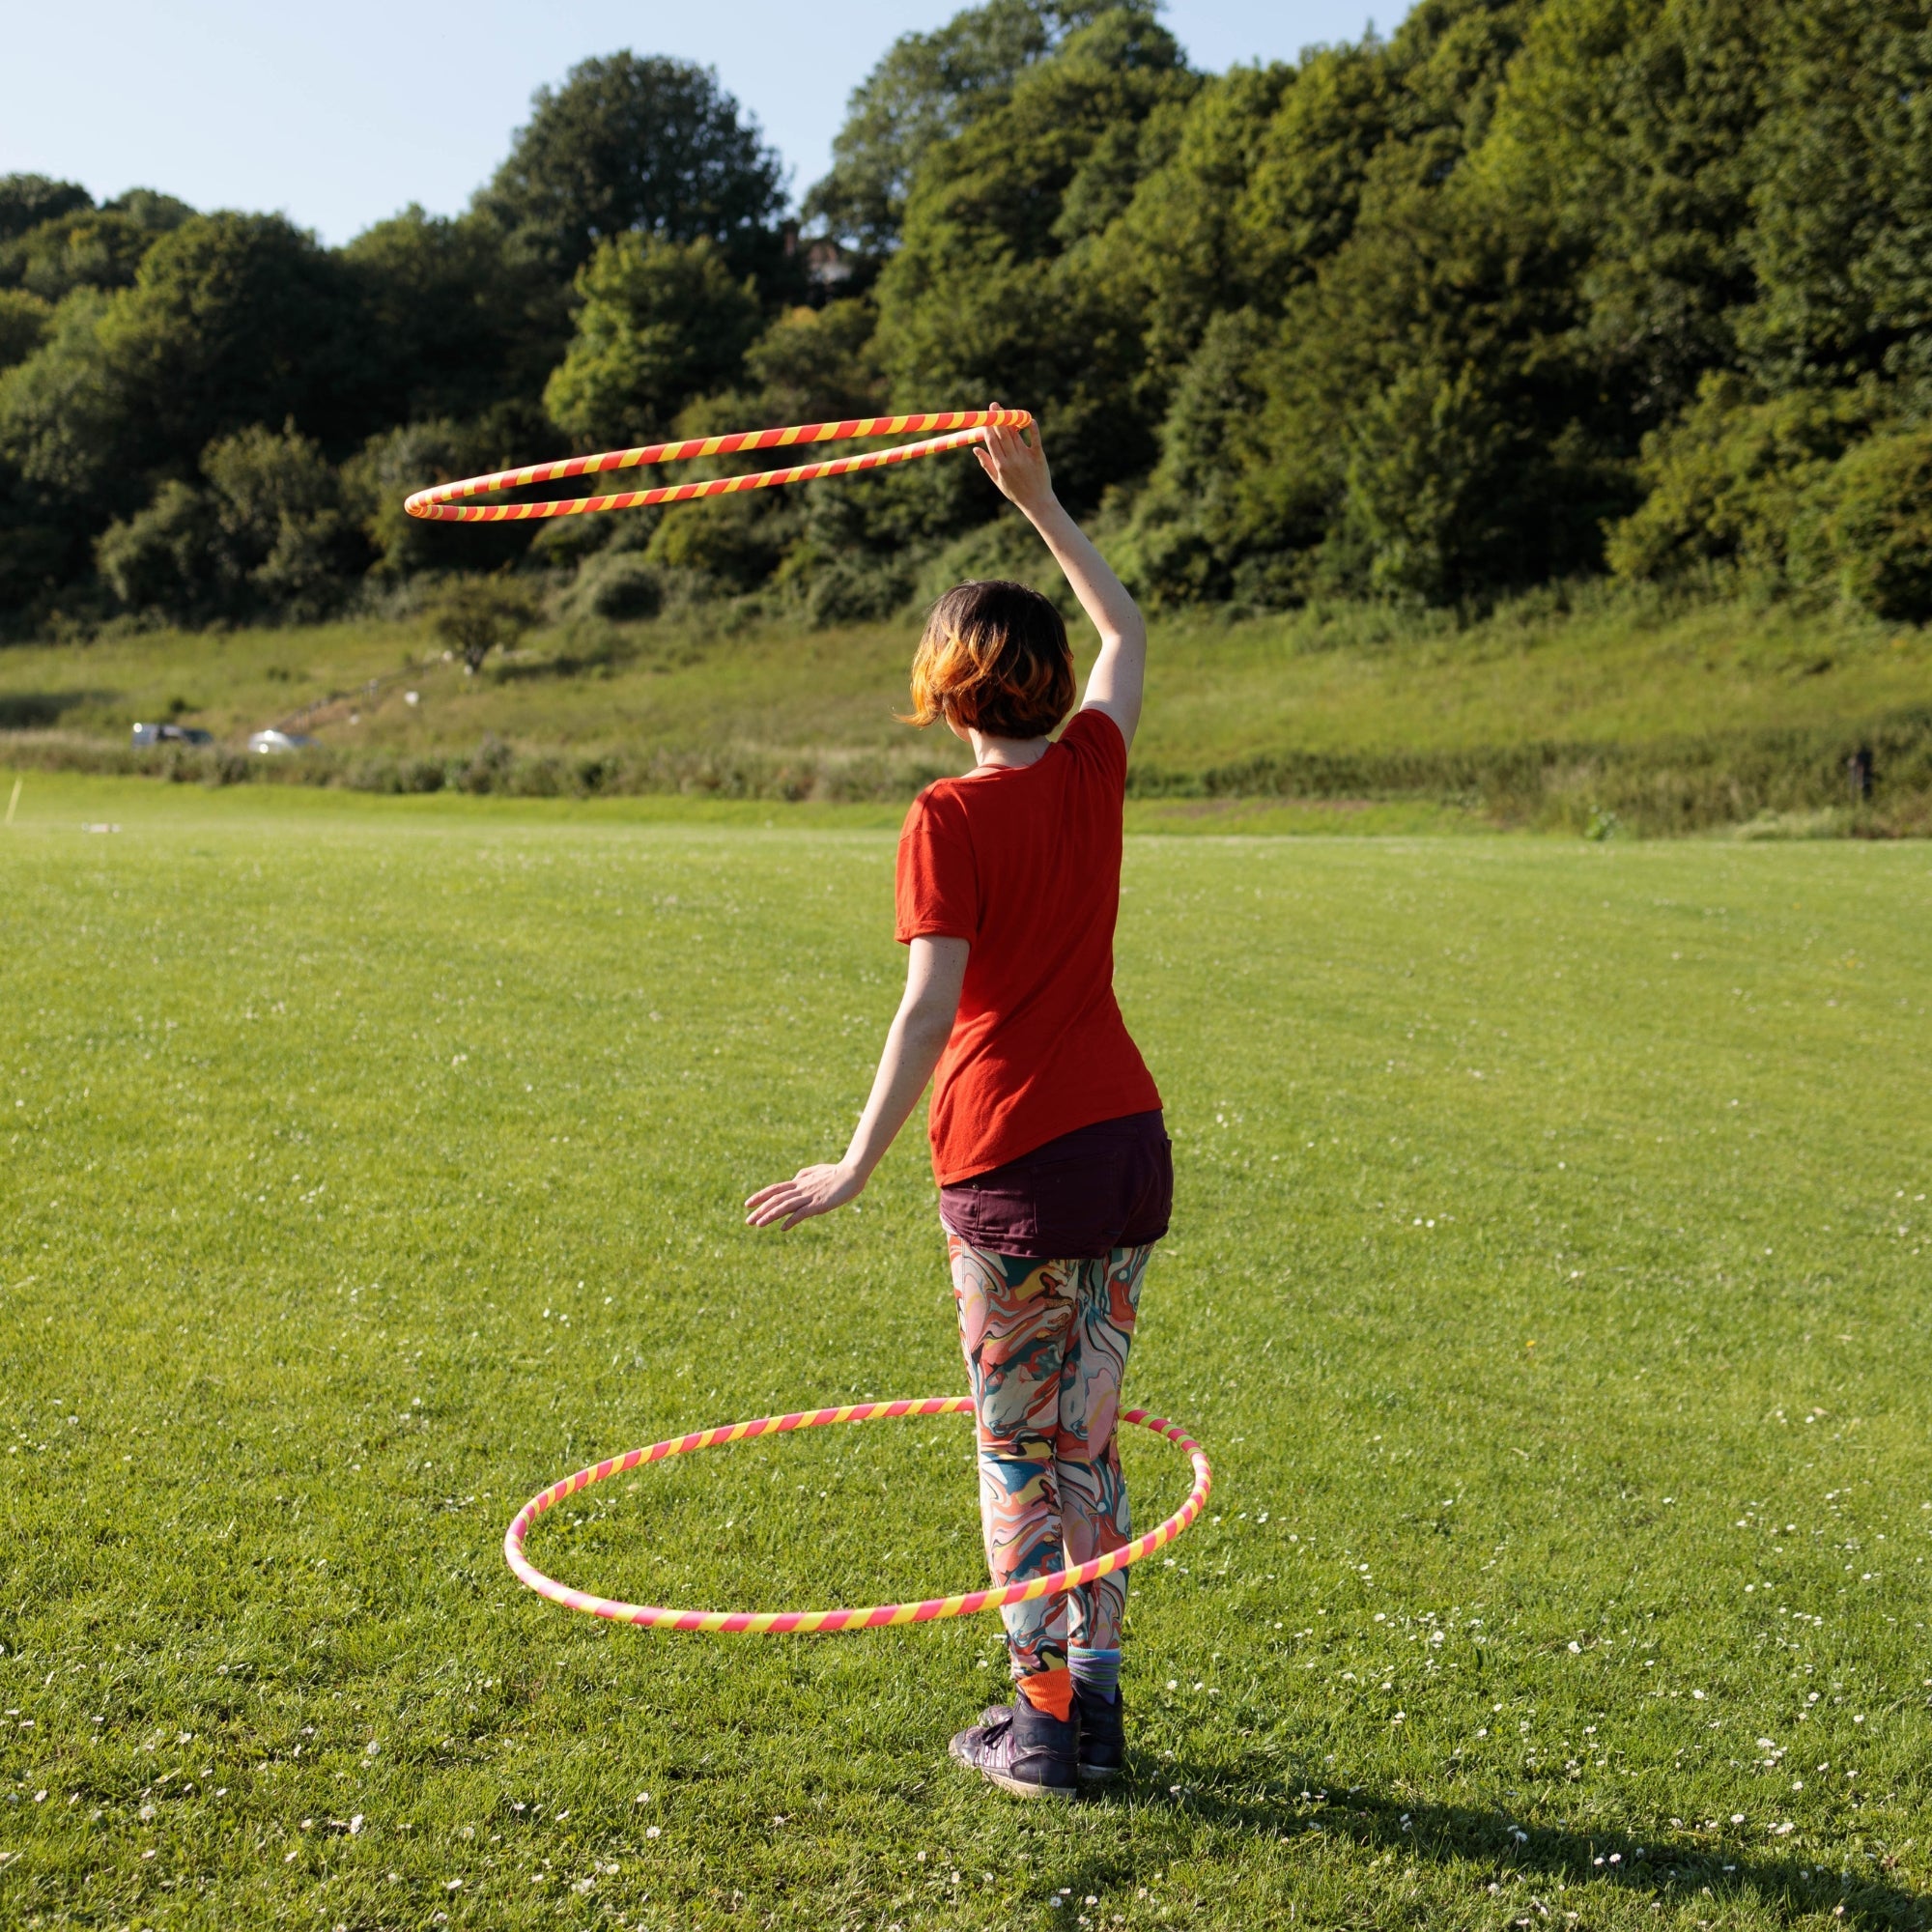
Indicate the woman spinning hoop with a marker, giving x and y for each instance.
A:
(1055, 1172)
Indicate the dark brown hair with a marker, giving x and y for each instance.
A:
(994, 658)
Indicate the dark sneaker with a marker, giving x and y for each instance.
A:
(1103, 1735)
(1022, 1750)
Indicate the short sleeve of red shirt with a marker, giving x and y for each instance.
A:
(937, 889)
(1024, 864)
(1095, 738)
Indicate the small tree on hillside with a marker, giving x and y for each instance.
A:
(477, 614)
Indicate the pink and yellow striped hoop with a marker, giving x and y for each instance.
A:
(441, 503)
(877, 1616)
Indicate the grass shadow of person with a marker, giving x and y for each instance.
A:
(1680, 1864)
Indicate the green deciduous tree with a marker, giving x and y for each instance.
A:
(65, 416)
(991, 294)
(165, 559)
(94, 249)
(815, 365)
(239, 319)
(85, 247)
(1392, 405)
(1839, 237)
(645, 146)
(1424, 317)
(458, 321)
(28, 200)
(476, 615)
(1624, 129)
(266, 534)
(928, 87)
(24, 321)
(662, 321)
(232, 320)
(283, 523)
(1799, 490)
(809, 365)
(41, 548)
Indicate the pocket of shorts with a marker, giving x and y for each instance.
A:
(988, 1216)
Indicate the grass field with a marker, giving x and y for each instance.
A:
(1547, 1283)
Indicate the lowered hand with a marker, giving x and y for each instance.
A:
(812, 1190)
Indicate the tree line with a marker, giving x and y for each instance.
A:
(1530, 289)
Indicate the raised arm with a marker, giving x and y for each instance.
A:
(1018, 466)
(935, 971)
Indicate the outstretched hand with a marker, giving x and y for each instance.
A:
(1017, 466)
(812, 1190)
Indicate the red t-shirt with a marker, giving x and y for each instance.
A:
(1025, 865)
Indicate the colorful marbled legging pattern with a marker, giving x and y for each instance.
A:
(1046, 1346)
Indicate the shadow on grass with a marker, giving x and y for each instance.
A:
(1678, 1866)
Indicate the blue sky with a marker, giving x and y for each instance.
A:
(341, 112)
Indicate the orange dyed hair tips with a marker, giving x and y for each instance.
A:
(993, 658)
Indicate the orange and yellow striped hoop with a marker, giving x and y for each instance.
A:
(441, 503)
(877, 1616)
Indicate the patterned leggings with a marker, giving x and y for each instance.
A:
(1047, 1344)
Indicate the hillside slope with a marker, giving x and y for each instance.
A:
(1766, 704)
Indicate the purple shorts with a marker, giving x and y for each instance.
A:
(1077, 1198)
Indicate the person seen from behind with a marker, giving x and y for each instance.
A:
(1054, 1169)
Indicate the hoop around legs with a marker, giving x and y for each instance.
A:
(877, 1616)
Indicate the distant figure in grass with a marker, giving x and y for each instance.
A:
(1054, 1169)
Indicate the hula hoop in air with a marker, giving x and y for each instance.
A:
(876, 1616)
(442, 502)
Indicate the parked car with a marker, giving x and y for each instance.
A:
(270, 742)
(171, 734)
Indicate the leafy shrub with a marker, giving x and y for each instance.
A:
(267, 534)
(618, 585)
(856, 592)
(1733, 483)
(164, 558)
(1796, 490)
(284, 531)
(488, 769)
(476, 615)
(1878, 527)
(735, 540)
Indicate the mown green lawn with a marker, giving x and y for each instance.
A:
(1547, 1284)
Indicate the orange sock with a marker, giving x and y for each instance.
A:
(1050, 1691)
